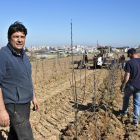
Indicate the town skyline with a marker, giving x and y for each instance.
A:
(76, 49)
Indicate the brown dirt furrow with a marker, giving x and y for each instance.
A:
(57, 107)
(49, 90)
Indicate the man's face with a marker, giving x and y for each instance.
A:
(17, 41)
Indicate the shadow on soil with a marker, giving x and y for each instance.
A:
(88, 68)
(89, 107)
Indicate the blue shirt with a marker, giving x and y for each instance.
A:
(15, 76)
(133, 67)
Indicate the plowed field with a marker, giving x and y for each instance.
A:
(78, 104)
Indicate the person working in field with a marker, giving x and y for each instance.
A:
(85, 57)
(123, 61)
(16, 88)
(132, 85)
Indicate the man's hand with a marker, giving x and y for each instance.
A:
(4, 118)
(36, 104)
(121, 87)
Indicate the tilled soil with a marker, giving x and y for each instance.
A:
(106, 123)
(57, 105)
(57, 116)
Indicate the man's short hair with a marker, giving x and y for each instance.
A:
(131, 51)
(17, 27)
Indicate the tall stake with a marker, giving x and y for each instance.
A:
(74, 88)
(72, 62)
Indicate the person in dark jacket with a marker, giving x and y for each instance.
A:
(123, 61)
(85, 57)
(16, 87)
(132, 85)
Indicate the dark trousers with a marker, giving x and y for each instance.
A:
(20, 128)
(86, 59)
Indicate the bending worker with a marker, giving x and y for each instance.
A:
(132, 82)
